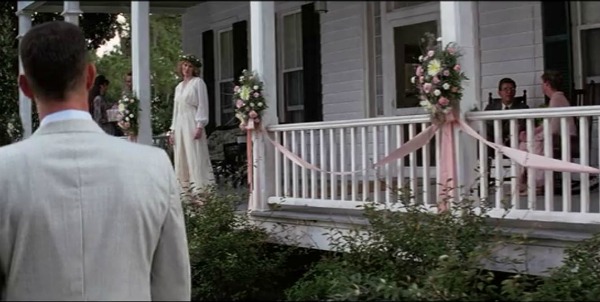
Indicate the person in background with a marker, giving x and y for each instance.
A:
(506, 90)
(551, 83)
(187, 135)
(100, 104)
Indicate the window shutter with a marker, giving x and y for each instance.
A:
(208, 66)
(240, 48)
(556, 31)
(311, 48)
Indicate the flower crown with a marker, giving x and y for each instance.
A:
(192, 59)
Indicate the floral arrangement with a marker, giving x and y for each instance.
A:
(438, 77)
(128, 107)
(248, 99)
(192, 59)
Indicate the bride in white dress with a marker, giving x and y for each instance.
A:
(190, 116)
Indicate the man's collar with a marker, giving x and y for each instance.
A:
(69, 114)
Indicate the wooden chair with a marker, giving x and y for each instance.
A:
(518, 99)
(505, 162)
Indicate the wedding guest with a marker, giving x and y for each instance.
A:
(101, 105)
(507, 88)
(551, 83)
(190, 116)
(84, 216)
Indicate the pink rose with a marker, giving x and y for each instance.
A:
(239, 103)
(436, 80)
(430, 53)
(446, 72)
(253, 114)
(256, 94)
(427, 87)
(457, 67)
(419, 71)
(236, 88)
(443, 101)
(421, 79)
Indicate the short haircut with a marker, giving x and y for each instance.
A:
(506, 81)
(54, 56)
(553, 78)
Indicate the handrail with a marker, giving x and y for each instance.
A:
(573, 111)
(376, 121)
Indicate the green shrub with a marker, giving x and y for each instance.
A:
(577, 278)
(413, 254)
(231, 259)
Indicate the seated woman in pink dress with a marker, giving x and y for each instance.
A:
(551, 81)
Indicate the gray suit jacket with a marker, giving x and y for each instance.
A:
(88, 216)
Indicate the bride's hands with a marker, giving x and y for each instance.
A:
(171, 138)
(198, 133)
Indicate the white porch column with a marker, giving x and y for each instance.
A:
(140, 61)
(71, 12)
(263, 48)
(459, 23)
(24, 101)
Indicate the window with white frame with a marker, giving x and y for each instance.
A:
(589, 31)
(292, 68)
(225, 76)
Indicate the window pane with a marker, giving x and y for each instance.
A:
(226, 55)
(590, 40)
(292, 41)
(590, 12)
(226, 93)
(296, 116)
(299, 51)
(293, 88)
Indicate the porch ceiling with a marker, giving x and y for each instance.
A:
(156, 7)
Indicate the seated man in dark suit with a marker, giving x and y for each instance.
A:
(506, 90)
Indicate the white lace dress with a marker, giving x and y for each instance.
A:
(192, 160)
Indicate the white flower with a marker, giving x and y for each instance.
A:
(413, 79)
(434, 67)
(260, 104)
(421, 58)
(126, 119)
(131, 115)
(437, 92)
(245, 93)
(439, 39)
(446, 86)
(255, 87)
(252, 105)
(121, 107)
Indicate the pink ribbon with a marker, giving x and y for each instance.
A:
(447, 160)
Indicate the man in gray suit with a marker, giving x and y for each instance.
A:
(84, 215)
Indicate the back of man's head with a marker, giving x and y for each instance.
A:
(54, 56)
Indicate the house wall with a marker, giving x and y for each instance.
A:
(511, 46)
(342, 56)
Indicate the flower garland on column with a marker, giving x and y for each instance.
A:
(128, 107)
(439, 78)
(249, 106)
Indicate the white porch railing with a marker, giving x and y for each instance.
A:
(343, 146)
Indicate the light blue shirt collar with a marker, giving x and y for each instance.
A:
(63, 115)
